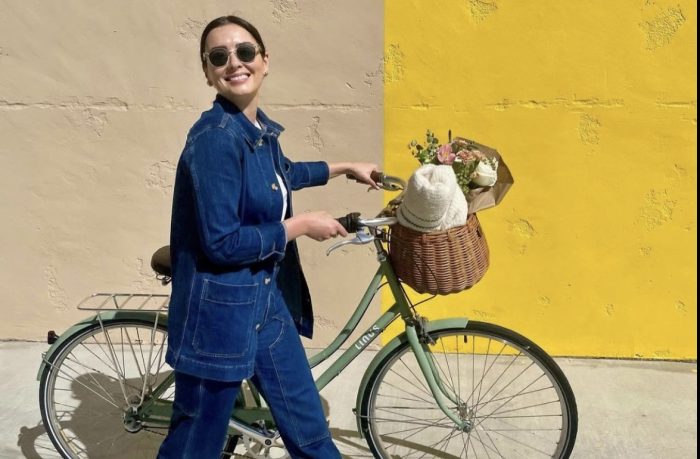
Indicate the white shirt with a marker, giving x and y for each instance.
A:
(280, 182)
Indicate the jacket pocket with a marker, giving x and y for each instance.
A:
(225, 319)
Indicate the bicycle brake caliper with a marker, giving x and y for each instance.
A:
(421, 329)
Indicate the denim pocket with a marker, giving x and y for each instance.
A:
(225, 319)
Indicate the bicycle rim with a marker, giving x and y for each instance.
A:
(515, 398)
(90, 384)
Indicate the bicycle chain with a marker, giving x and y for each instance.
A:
(154, 431)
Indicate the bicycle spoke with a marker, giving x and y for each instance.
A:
(88, 388)
(133, 353)
(509, 383)
(400, 389)
(75, 374)
(423, 387)
(444, 355)
(532, 448)
(108, 365)
(493, 446)
(478, 400)
(494, 412)
(493, 415)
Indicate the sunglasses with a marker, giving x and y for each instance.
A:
(245, 52)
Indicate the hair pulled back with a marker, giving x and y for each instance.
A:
(224, 20)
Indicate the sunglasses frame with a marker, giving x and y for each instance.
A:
(206, 55)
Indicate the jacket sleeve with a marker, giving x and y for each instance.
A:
(217, 180)
(305, 174)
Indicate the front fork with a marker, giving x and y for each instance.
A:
(419, 339)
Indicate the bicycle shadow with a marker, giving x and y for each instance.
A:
(92, 414)
(34, 443)
(85, 407)
(349, 442)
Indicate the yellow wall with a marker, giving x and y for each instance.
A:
(593, 105)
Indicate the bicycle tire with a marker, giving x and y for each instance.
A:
(517, 398)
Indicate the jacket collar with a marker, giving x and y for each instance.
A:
(251, 133)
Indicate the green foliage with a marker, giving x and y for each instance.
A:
(461, 154)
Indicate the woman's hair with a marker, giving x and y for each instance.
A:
(224, 20)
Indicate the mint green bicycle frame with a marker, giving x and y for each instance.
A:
(155, 411)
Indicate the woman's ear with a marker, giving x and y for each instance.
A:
(204, 69)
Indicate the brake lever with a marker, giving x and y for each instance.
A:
(361, 237)
(389, 186)
(385, 182)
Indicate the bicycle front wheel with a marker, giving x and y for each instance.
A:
(514, 398)
(94, 385)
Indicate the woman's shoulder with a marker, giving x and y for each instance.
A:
(213, 135)
(214, 120)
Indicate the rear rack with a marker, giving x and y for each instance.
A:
(125, 302)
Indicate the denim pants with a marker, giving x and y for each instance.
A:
(202, 408)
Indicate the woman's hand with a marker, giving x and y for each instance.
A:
(316, 225)
(360, 172)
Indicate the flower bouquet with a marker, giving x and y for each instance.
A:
(454, 259)
(481, 173)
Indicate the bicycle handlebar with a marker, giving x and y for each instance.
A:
(353, 221)
(350, 222)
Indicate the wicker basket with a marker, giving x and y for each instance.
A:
(441, 262)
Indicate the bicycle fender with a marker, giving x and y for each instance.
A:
(90, 321)
(432, 325)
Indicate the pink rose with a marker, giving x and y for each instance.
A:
(445, 155)
(465, 156)
(478, 154)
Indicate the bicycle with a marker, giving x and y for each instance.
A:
(447, 388)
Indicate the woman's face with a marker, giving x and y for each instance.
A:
(237, 81)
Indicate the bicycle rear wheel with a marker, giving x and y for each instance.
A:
(516, 398)
(93, 383)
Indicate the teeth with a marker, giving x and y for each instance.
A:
(237, 78)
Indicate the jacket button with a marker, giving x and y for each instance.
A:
(267, 280)
(260, 142)
(274, 186)
(257, 326)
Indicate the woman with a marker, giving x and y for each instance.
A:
(239, 299)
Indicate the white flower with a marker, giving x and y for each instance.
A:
(485, 173)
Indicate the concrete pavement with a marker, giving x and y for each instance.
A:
(627, 409)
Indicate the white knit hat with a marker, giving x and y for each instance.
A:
(432, 201)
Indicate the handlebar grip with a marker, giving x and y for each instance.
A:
(377, 176)
(350, 222)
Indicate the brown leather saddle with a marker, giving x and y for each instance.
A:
(160, 261)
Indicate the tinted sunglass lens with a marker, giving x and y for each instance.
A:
(246, 52)
(218, 57)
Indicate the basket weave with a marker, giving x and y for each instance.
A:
(440, 262)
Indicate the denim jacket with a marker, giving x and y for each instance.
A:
(228, 246)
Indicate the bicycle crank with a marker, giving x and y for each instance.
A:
(262, 444)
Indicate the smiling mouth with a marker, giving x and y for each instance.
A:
(237, 78)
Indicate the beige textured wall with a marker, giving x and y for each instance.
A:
(95, 102)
